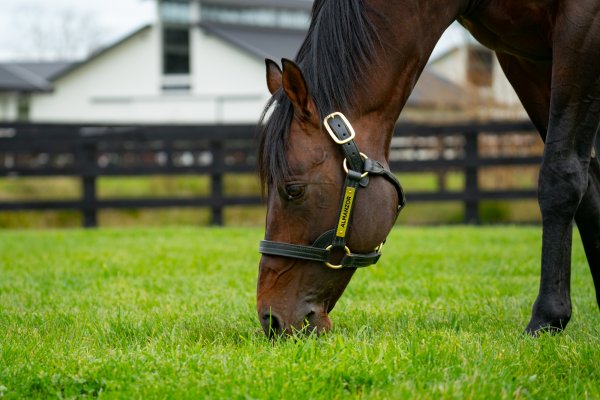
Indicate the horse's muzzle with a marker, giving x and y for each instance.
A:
(316, 320)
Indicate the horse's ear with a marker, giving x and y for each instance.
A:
(296, 89)
(273, 76)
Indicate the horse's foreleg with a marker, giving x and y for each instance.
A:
(569, 183)
(564, 180)
(560, 189)
(588, 222)
(552, 308)
(567, 119)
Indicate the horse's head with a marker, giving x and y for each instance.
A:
(322, 222)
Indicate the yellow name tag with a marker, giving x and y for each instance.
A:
(345, 214)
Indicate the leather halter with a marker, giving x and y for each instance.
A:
(358, 167)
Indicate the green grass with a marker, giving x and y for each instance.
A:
(169, 313)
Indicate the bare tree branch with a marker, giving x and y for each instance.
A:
(50, 34)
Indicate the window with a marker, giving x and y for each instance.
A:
(175, 16)
(176, 50)
(23, 108)
(175, 12)
(480, 67)
(256, 16)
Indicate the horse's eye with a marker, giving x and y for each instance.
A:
(294, 191)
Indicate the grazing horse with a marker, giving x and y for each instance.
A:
(327, 129)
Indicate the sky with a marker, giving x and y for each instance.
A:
(58, 29)
(26, 24)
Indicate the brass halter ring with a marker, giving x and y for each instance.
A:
(345, 164)
(346, 249)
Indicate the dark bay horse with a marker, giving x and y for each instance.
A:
(327, 129)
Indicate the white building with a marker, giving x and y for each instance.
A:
(476, 70)
(202, 62)
(197, 64)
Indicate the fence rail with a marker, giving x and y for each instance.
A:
(91, 151)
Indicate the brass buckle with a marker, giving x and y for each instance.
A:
(346, 249)
(345, 165)
(332, 134)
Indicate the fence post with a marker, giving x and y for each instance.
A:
(471, 178)
(441, 173)
(89, 209)
(216, 178)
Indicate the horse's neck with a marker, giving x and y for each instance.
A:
(408, 35)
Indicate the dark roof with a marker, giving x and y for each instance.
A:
(435, 91)
(260, 42)
(274, 43)
(101, 51)
(38, 76)
(30, 76)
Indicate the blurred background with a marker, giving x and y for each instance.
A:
(143, 112)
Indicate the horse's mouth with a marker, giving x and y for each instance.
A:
(316, 321)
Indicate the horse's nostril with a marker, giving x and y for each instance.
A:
(310, 323)
(271, 325)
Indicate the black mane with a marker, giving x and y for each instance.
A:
(333, 58)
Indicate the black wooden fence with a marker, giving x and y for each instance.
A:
(91, 151)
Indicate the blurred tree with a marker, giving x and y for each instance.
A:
(52, 34)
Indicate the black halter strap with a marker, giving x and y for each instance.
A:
(358, 167)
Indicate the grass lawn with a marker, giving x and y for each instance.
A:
(169, 313)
